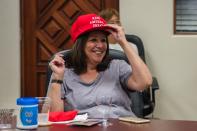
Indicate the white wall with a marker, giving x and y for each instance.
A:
(170, 57)
(9, 53)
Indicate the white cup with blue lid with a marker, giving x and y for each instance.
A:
(27, 116)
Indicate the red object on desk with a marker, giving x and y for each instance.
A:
(62, 116)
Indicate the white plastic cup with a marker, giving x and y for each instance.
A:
(44, 104)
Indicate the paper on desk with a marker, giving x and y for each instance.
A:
(81, 117)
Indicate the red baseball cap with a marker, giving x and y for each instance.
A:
(87, 23)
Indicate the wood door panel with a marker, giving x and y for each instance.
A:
(45, 26)
(86, 6)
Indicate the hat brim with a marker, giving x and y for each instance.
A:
(106, 29)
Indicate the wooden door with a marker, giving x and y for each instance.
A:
(45, 26)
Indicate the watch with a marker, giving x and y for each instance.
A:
(57, 81)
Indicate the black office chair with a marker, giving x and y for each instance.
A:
(144, 102)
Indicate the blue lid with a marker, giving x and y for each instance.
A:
(27, 101)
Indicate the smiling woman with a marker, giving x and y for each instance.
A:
(89, 74)
(96, 47)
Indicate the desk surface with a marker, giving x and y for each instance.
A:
(154, 125)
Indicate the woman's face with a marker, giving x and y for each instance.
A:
(95, 48)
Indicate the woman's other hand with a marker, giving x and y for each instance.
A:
(58, 67)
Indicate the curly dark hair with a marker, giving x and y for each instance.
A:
(77, 57)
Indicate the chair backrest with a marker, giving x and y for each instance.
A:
(138, 42)
(114, 54)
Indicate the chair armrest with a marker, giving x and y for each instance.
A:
(154, 87)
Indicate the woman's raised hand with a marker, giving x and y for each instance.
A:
(118, 33)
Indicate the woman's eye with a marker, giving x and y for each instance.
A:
(93, 40)
(103, 40)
